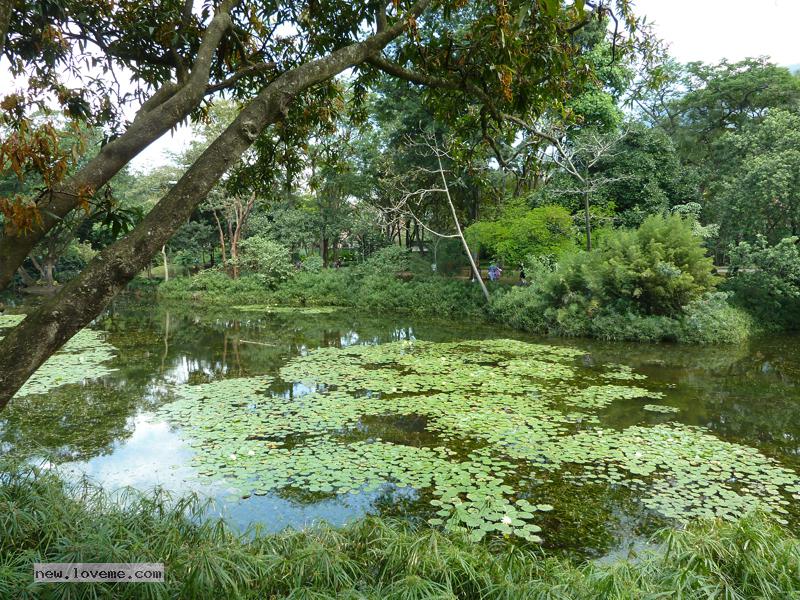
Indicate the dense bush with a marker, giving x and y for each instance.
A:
(766, 281)
(327, 287)
(394, 260)
(362, 288)
(713, 319)
(449, 256)
(649, 284)
(267, 260)
(313, 263)
(433, 296)
(213, 286)
(45, 520)
(521, 232)
(654, 270)
(391, 259)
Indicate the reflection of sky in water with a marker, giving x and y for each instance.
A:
(156, 456)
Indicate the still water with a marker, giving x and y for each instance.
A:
(108, 429)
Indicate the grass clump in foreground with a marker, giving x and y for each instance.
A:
(43, 519)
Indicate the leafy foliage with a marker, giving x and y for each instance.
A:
(766, 280)
(267, 260)
(544, 231)
(373, 558)
(759, 192)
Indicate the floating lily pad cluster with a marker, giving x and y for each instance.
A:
(682, 472)
(512, 410)
(81, 358)
(661, 408)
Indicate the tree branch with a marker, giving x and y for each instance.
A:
(165, 109)
(57, 319)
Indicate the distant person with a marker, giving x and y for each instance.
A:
(522, 279)
(494, 272)
(433, 267)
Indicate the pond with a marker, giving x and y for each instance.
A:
(289, 416)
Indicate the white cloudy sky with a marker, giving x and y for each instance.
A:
(705, 30)
(710, 30)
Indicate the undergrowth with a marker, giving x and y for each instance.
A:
(44, 519)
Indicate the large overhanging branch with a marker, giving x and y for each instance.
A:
(169, 105)
(47, 328)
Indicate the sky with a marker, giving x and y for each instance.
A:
(704, 30)
(710, 30)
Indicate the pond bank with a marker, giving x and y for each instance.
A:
(708, 321)
(370, 559)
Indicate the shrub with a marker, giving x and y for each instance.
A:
(713, 320)
(425, 296)
(313, 263)
(327, 287)
(658, 268)
(654, 270)
(651, 284)
(266, 259)
(450, 257)
(765, 280)
(546, 230)
(391, 259)
(521, 308)
(213, 286)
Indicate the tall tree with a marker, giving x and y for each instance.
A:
(511, 60)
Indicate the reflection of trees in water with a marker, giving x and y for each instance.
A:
(746, 393)
(71, 422)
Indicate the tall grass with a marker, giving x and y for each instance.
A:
(44, 519)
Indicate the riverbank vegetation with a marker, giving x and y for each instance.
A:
(654, 283)
(45, 519)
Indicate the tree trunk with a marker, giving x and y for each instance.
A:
(167, 107)
(475, 270)
(166, 264)
(587, 220)
(221, 239)
(26, 277)
(57, 319)
(49, 267)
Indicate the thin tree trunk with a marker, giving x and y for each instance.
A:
(166, 264)
(587, 220)
(460, 233)
(49, 267)
(221, 237)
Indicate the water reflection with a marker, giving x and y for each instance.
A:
(106, 429)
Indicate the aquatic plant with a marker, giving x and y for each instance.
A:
(498, 414)
(81, 358)
(660, 408)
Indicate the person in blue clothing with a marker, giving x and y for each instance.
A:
(494, 272)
